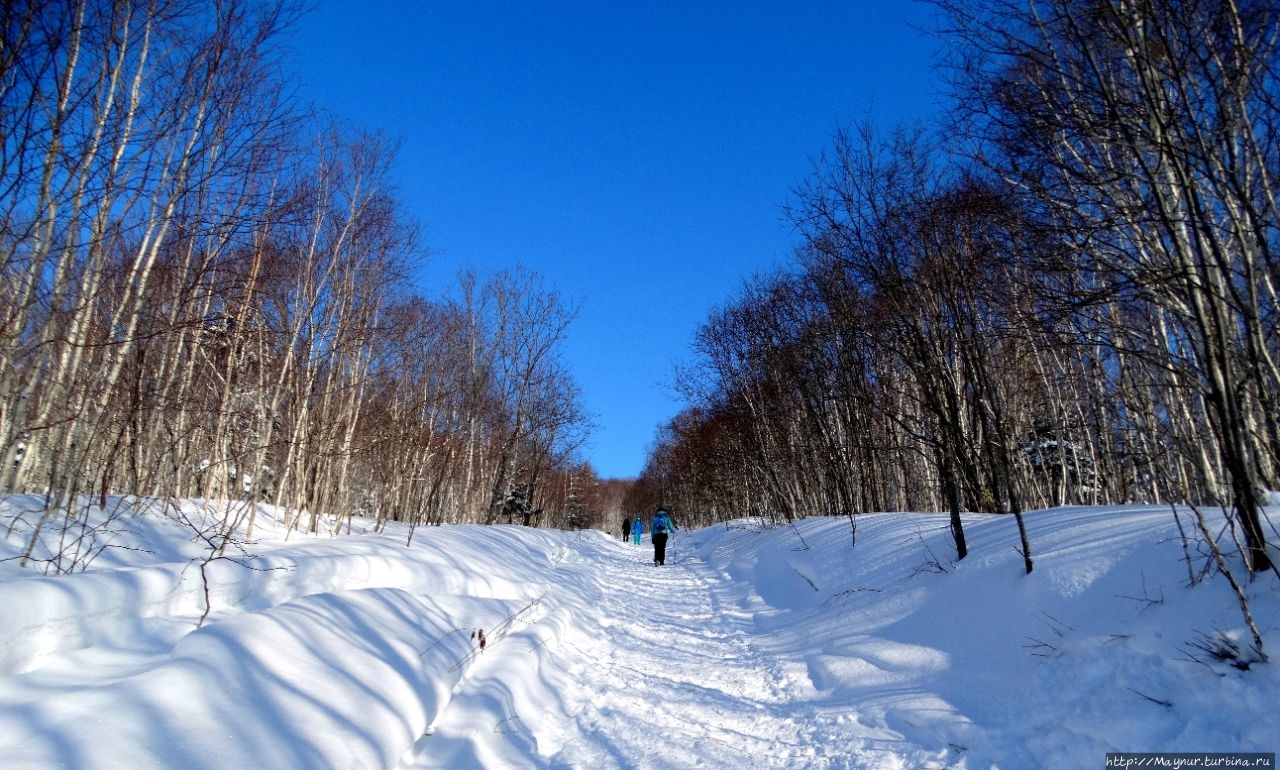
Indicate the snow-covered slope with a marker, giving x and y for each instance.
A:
(786, 647)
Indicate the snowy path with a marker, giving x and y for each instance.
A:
(665, 672)
(754, 647)
(661, 631)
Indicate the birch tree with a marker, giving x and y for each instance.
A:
(1145, 128)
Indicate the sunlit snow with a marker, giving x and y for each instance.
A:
(754, 647)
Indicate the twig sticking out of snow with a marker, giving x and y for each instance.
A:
(1145, 599)
(1043, 649)
(1224, 649)
(496, 634)
(1144, 696)
(932, 564)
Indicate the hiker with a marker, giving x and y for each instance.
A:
(661, 527)
(626, 528)
(637, 529)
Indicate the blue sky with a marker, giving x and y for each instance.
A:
(635, 155)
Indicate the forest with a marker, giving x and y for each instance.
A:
(1066, 293)
(208, 292)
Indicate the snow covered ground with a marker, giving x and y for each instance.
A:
(752, 647)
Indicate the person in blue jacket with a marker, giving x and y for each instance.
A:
(661, 527)
(637, 529)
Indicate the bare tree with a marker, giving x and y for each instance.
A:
(134, 159)
(1144, 130)
(521, 327)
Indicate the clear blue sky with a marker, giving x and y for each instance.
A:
(636, 155)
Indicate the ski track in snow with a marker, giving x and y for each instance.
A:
(638, 687)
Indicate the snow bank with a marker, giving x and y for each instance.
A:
(1094, 652)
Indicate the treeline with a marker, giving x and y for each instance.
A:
(1072, 298)
(203, 294)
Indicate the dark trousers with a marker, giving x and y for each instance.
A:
(660, 547)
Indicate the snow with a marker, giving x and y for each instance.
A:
(784, 647)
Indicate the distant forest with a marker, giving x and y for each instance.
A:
(1064, 293)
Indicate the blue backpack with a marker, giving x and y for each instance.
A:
(661, 524)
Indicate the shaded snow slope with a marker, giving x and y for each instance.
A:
(752, 647)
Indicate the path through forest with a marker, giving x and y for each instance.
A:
(664, 669)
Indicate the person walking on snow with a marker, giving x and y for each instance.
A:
(626, 528)
(637, 529)
(658, 531)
